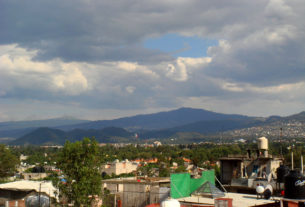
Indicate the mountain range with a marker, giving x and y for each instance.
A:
(49, 136)
(16, 129)
(157, 121)
(151, 126)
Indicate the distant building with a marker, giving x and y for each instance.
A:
(23, 157)
(49, 168)
(38, 172)
(186, 160)
(157, 143)
(118, 167)
(145, 161)
(34, 176)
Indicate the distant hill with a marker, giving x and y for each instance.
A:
(296, 117)
(17, 129)
(39, 123)
(15, 133)
(157, 121)
(204, 127)
(41, 136)
(44, 135)
(182, 122)
(214, 126)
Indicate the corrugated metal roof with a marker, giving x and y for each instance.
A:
(27, 185)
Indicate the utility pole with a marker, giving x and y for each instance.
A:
(302, 168)
(291, 151)
(39, 194)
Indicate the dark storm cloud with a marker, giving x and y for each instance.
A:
(93, 31)
(101, 30)
(75, 30)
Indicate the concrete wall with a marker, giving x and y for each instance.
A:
(114, 187)
(158, 194)
(136, 195)
(229, 170)
(261, 167)
(273, 166)
(34, 176)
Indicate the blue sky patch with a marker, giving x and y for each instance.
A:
(180, 46)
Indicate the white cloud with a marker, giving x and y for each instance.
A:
(19, 70)
(182, 68)
(14, 59)
(278, 8)
(288, 91)
(281, 35)
(177, 72)
(134, 67)
(128, 66)
(70, 80)
(232, 87)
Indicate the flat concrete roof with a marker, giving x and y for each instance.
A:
(239, 200)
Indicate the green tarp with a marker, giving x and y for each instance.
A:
(182, 185)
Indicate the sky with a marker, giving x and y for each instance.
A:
(98, 59)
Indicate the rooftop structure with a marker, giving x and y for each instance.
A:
(138, 191)
(249, 170)
(22, 189)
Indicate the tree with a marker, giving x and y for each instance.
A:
(80, 164)
(164, 171)
(8, 162)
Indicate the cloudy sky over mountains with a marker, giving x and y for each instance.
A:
(97, 59)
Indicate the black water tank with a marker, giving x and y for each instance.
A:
(295, 185)
(281, 172)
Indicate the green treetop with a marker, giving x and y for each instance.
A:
(8, 162)
(80, 164)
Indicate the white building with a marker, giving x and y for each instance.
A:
(118, 168)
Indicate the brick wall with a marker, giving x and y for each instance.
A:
(18, 203)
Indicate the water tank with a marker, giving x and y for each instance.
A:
(170, 203)
(262, 143)
(281, 172)
(260, 189)
(294, 185)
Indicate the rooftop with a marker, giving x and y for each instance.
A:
(139, 180)
(27, 185)
(240, 200)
